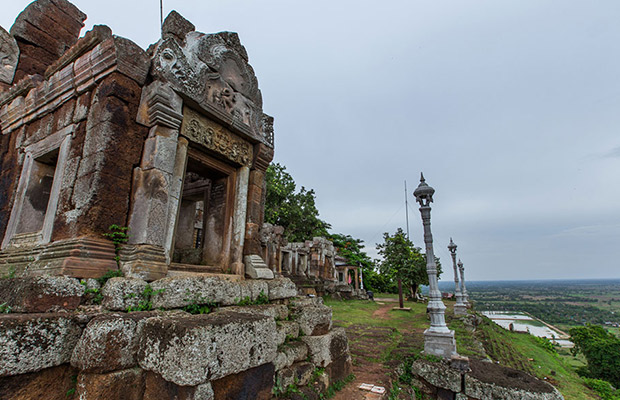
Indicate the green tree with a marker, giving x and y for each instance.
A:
(353, 250)
(402, 260)
(601, 350)
(294, 210)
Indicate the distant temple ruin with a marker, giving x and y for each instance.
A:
(171, 142)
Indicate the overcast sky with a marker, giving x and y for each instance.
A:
(511, 109)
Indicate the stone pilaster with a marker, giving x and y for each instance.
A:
(157, 184)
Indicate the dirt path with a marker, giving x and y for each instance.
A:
(370, 346)
(367, 344)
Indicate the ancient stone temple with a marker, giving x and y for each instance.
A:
(98, 136)
(171, 142)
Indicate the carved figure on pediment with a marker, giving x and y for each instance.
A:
(9, 56)
(171, 64)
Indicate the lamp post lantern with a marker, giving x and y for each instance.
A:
(438, 339)
(463, 289)
(459, 308)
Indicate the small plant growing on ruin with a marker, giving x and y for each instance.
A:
(145, 304)
(198, 304)
(119, 236)
(10, 273)
(71, 391)
(246, 301)
(5, 308)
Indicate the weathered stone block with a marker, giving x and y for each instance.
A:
(41, 294)
(255, 383)
(438, 375)
(207, 346)
(326, 348)
(157, 388)
(108, 343)
(119, 294)
(313, 320)
(180, 291)
(127, 384)
(49, 384)
(275, 311)
(281, 288)
(253, 288)
(340, 368)
(289, 353)
(299, 373)
(287, 329)
(36, 341)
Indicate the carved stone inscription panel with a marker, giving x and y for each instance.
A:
(213, 136)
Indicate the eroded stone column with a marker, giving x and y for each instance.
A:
(156, 186)
(239, 220)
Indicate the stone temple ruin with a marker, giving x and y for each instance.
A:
(172, 143)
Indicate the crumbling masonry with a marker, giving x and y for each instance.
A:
(172, 143)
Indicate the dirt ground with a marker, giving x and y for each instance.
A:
(372, 350)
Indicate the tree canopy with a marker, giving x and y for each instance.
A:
(601, 350)
(292, 209)
(402, 260)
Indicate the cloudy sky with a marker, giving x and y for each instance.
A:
(511, 109)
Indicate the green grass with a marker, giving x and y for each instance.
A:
(517, 350)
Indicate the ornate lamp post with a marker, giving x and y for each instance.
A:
(438, 339)
(464, 294)
(459, 308)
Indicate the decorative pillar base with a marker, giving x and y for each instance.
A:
(255, 268)
(81, 258)
(440, 344)
(143, 261)
(460, 309)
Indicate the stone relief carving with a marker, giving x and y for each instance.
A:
(212, 70)
(215, 137)
(9, 56)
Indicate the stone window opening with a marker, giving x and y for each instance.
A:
(203, 224)
(36, 200)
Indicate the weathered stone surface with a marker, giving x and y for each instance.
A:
(119, 294)
(158, 388)
(108, 343)
(276, 311)
(340, 368)
(287, 329)
(127, 384)
(326, 348)
(41, 293)
(299, 374)
(207, 346)
(33, 342)
(255, 268)
(180, 291)
(313, 320)
(438, 375)
(477, 389)
(49, 384)
(281, 288)
(289, 353)
(176, 26)
(253, 288)
(9, 54)
(44, 31)
(308, 301)
(255, 383)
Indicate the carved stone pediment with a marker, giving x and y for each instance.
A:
(213, 136)
(213, 71)
(9, 56)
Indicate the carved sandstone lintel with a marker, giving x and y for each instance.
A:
(9, 55)
(215, 137)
